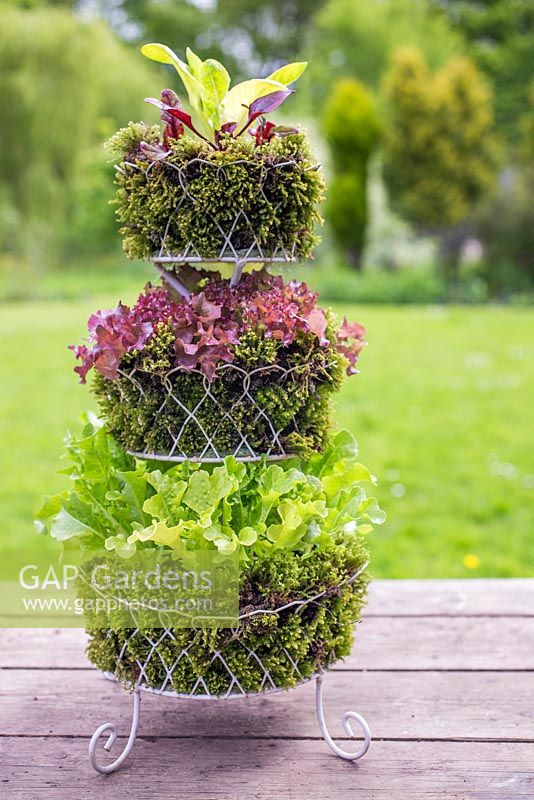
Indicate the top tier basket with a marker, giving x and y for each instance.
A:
(234, 238)
(198, 206)
(178, 415)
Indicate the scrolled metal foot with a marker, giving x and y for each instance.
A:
(110, 727)
(346, 720)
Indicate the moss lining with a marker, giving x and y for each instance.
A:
(145, 418)
(312, 638)
(276, 186)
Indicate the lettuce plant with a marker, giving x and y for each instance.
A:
(202, 336)
(207, 327)
(257, 509)
(219, 110)
(299, 529)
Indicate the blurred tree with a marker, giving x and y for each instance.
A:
(272, 31)
(33, 4)
(250, 36)
(505, 224)
(178, 23)
(440, 155)
(500, 34)
(65, 84)
(356, 37)
(352, 132)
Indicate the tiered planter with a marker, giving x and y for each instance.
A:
(201, 381)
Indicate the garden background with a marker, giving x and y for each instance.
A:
(422, 112)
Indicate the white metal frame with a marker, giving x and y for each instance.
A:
(240, 258)
(273, 449)
(200, 690)
(111, 729)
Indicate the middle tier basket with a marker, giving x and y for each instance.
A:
(252, 412)
(239, 413)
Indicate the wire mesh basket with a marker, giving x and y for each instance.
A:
(301, 670)
(191, 663)
(202, 221)
(200, 689)
(239, 242)
(182, 415)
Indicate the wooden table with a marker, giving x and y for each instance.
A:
(442, 670)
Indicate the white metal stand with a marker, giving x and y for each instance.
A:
(110, 727)
(347, 716)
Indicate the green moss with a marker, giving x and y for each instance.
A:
(125, 142)
(201, 192)
(291, 397)
(254, 350)
(319, 634)
(157, 355)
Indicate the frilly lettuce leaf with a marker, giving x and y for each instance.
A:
(256, 508)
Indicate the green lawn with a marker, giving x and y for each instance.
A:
(442, 410)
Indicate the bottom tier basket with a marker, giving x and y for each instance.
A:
(269, 651)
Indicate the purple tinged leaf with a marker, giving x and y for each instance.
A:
(154, 102)
(208, 324)
(177, 113)
(268, 103)
(183, 117)
(170, 98)
(264, 105)
(228, 127)
(172, 111)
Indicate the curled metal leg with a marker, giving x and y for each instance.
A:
(346, 720)
(109, 727)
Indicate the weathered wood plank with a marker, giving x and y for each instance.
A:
(218, 769)
(269, 748)
(43, 648)
(461, 643)
(502, 597)
(398, 705)
(459, 598)
(382, 643)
